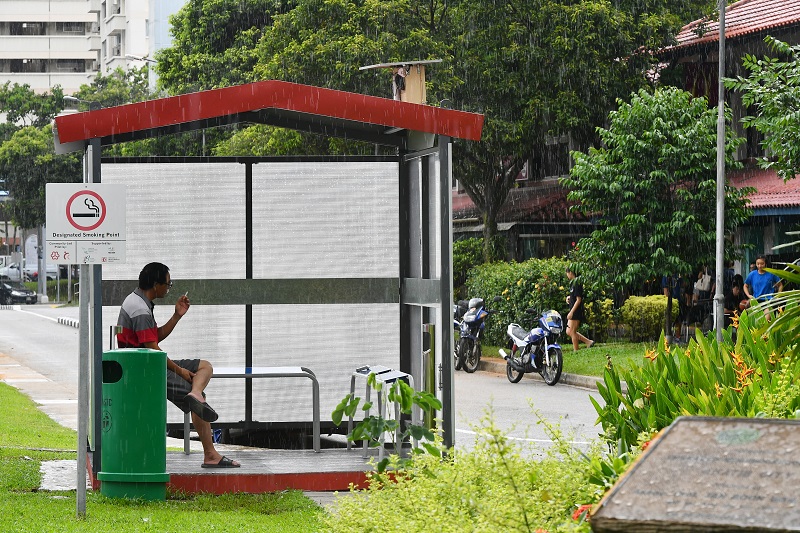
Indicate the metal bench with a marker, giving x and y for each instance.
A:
(255, 372)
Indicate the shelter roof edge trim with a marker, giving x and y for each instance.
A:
(189, 109)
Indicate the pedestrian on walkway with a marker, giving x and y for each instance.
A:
(576, 314)
(186, 378)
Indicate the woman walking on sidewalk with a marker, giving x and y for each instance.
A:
(575, 315)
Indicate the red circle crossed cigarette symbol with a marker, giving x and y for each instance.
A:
(86, 209)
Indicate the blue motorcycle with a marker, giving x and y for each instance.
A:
(470, 320)
(536, 350)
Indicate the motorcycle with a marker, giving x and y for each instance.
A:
(470, 324)
(536, 350)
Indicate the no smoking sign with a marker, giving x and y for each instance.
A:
(86, 210)
(85, 223)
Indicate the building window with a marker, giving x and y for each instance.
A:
(28, 28)
(70, 65)
(78, 28)
(28, 65)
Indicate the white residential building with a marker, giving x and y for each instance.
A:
(44, 43)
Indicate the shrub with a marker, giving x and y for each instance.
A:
(538, 283)
(644, 316)
(467, 253)
(599, 317)
(708, 378)
(495, 487)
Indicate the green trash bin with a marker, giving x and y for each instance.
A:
(134, 419)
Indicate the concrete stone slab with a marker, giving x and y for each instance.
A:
(710, 474)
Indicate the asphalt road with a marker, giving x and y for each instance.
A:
(33, 336)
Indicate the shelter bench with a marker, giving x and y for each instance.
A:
(255, 372)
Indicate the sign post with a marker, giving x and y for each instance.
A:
(85, 223)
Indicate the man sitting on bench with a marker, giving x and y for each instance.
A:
(186, 378)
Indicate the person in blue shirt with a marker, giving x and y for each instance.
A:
(761, 285)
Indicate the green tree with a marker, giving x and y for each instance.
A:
(24, 107)
(545, 68)
(653, 189)
(772, 91)
(117, 87)
(28, 162)
(214, 43)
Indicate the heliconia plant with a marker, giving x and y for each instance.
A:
(751, 376)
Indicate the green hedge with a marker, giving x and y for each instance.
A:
(644, 316)
(539, 283)
(599, 318)
(467, 253)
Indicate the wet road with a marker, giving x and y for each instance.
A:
(33, 336)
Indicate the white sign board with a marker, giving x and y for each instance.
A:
(85, 223)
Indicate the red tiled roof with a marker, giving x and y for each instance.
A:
(541, 202)
(741, 18)
(771, 190)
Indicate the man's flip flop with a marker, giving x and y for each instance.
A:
(201, 409)
(223, 463)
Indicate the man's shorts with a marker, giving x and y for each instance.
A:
(177, 387)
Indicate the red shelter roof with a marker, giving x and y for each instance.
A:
(278, 103)
(741, 18)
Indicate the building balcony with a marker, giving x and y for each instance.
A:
(114, 24)
(45, 81)
(44, 47)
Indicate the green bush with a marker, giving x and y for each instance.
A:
(495, 487)
(752, 377)
(538, 283)
(644, 316)
(467, 253)
(599, 317)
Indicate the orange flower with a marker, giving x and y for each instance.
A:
(651, 354)
(582, 511)
(718, 390)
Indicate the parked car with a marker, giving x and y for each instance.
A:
(14, 292)
(31, 271)
(11, 272)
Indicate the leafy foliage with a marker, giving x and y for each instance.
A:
(495, 487)
(772, 90)
(600, 315)
(373, 427)
(644, 316)
(467, 253)
(537, 283)
(28, 161)
(749, 377)
(214, 43)
(653, 188)
(785, 306)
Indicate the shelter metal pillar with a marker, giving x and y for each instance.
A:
(90, 349)
(426, 266)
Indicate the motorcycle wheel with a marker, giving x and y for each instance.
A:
(473, 358)
(512, 375)
(464, 347)
(552, 373)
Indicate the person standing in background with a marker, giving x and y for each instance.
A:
(576, 314)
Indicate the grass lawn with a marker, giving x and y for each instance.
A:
(591, 362)
(28, 437)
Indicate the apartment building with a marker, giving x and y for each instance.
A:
(49, 42)
(44, 43)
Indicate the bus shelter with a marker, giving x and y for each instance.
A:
(327, 262)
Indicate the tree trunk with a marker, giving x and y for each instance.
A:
(489, 234)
